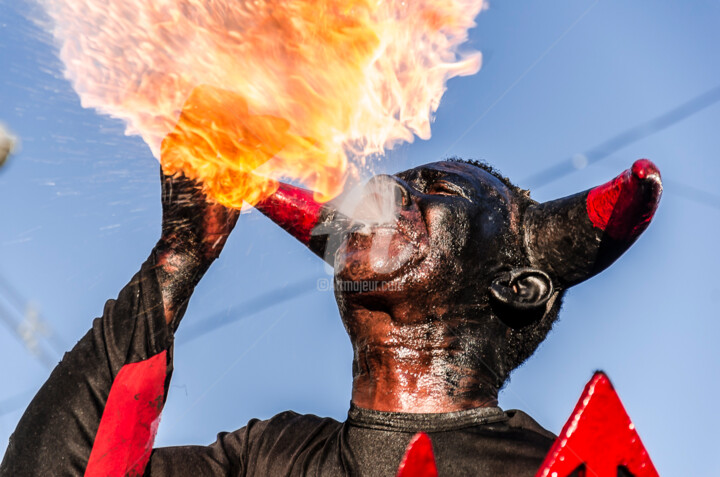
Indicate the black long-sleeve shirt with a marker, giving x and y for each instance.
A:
(98, 412)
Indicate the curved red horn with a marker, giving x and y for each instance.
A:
(299, 214)
(576, 237)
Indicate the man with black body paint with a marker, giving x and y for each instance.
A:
(475, 295)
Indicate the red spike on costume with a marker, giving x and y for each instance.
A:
(624, 206)
(600, 435)
(419, 460)
(294, 209)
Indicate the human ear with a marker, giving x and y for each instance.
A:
(519, 297)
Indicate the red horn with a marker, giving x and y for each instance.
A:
(576, 237)
(311, 222)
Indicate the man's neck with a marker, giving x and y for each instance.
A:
(396, 393)
(417, 368)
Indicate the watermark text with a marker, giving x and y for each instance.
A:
(360, 286)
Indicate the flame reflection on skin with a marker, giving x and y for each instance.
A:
(321, 80)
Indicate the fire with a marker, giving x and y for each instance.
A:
(241, 93)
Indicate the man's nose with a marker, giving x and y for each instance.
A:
(390, 186)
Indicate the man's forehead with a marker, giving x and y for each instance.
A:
(462, 171)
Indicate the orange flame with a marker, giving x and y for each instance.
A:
(239, 93)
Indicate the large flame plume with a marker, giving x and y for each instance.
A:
(239, 93)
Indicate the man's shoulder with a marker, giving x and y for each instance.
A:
(291, 425)
(292, 418)
(520, 420)
(273, 446)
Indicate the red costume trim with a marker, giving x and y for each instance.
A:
(294, 209)
(624, 206)
(130, 420)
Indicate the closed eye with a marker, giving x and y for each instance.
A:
(446, 188)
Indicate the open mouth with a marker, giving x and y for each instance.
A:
(384, 250)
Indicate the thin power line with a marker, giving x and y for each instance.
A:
(195, 330)
(624, 139)
(693, 193)
(255, 305)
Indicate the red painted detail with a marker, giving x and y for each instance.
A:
(644, 168)
(600, 435)
(624, 207)
(419, 460)
(294, 209)
(130, 420)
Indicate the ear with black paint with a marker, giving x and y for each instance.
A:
(519, 297)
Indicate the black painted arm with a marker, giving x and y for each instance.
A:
(98, 410)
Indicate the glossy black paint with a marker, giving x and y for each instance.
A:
(472, 281)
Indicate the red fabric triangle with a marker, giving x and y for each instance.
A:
(600, 435)
(419, 460)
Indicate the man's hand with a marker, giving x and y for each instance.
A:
(194, 232)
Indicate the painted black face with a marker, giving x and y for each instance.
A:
(456, 253)
(448, 241)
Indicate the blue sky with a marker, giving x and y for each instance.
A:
(80, 212)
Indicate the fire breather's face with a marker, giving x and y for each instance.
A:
(445, 238)
(449, 241)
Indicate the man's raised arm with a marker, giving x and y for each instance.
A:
(98, 412)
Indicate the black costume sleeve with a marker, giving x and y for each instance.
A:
(116, 375)
(226, 456)
(287, 444)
